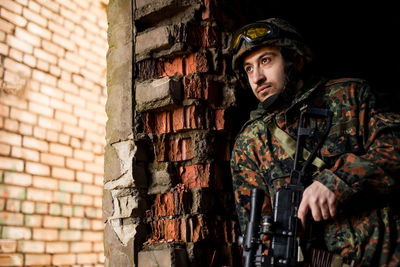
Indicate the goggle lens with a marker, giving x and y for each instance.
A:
(251, 34)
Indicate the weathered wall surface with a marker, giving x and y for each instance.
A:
(52, 127)
(167, 197)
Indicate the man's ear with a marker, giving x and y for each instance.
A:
(298, 61)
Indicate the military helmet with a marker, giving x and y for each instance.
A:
(273, 31)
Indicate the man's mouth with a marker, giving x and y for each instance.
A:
(263, 89)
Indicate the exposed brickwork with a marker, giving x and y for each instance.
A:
(52, 128)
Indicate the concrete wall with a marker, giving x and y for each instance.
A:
(52, 127)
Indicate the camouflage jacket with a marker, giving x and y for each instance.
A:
(362, 156)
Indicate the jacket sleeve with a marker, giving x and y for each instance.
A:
(246, 175)
(371, 171)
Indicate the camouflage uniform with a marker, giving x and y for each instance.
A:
(362, 160)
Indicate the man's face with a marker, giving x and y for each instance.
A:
(265, 69)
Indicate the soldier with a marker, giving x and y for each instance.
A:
(352, 188)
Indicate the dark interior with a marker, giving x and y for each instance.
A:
(348, 39)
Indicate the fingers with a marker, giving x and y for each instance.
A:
(320, 200)
(302, 212)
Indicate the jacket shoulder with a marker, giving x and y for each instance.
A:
(344, 81)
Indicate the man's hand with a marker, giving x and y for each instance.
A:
(320, 200)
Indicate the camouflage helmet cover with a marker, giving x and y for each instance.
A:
(293, 41)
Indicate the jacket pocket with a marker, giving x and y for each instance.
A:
(342, 138)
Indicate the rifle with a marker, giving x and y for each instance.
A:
(283, 226)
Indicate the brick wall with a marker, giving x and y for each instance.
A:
(52, 127)
(168, 196)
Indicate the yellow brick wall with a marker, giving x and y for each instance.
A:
(52, 131)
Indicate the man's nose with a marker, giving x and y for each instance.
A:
(259, 76)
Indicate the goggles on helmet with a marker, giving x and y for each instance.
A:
(257, 32)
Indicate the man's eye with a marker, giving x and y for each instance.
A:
(248, 69)
(265, 60)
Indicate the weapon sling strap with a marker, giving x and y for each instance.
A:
(289, 143)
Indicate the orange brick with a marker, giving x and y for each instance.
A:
(10, 138)
(64, 259)
(45, 183)
(92, 190)
(74, 131)
(45, 234)
(52, 159)
(44, 55)
(55, 209)
(42, 65)
(72, 187)
(52, 47)
(39, 195)
(64, 139)
(23, 116)
(11, 125)
(29, 60)
(30, 246)
(55, 222)
(33, 220)
(8, 246)
(37, 168)
(75, 100)
(97, 225)
(28, 207)
(68, 45)
(80, 199)
(95, 236)
(12, 259)
(98, 247)
(78, 211)
(98, 201)
(38, 97)
(34, 143)
(4, 111)
(57, 247)
(81, 247)
(66, 210)
(11, 164)
(17, 233)
(10, 218)
(13, 205)
(66, 117)
(25, 129)
(5, 149)
(62, 173)
(11, 6)
(35, 17)
(44, 77)
(70, 235)
(79, 223)
(84, 177)
(89, 258)
(49, 123)
(74, 164)
(25, 153)
(41, 208)
(15, 178)
(62, 197)
(34, 6)
(51, 136)
(94, 168)
(67, 86)
(39, 132)
(40, 109)
(61, 105)
(13, 18)
(60, 150)
(35, 259)
(8, 191)
(27, 37)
